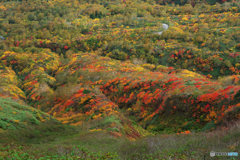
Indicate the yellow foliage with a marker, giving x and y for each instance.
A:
(84, 99)
(97, 116)
(95, 130)
(78, 123)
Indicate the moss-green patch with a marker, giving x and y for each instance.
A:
(173, 123)
(106, 121)
(188, 126)
(142, 131)
(237, 95)
(209, 126)
(36, 134)
(14, 115)
(114, 129)
(86, 91)
(90, 117)
(154, 119)
(215, 73)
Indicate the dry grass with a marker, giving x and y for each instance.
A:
(193, 146)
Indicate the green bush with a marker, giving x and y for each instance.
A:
(113, 129)
(31, 17)
(209, 126)
(188, 126)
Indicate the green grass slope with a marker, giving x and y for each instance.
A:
(57, 141)
(15, 115)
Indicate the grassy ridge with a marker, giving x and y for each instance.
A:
(14, 115)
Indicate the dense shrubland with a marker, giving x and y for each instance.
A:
(202, 37)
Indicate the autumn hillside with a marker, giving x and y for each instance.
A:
(90, 90)
(101, 67)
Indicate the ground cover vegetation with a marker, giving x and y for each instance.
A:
(76, 74)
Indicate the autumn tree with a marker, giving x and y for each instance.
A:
(217, 62)
(31, 17)
(227, 63)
